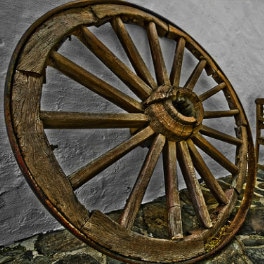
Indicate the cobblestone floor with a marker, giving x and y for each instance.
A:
(61, 247)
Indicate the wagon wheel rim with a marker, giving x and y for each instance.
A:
(167, 115)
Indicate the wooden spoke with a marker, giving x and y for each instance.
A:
(72, 120)
(212, 91)
(208, 148)
(208, 131)
(177, 63)
(172, 191)
(134, 201)
(87, 172)
(195, 75)
(93, 83)
(135, 83)
(206, 174)
(192, 183)
(159, 64)
(132, 52)
(219, 114)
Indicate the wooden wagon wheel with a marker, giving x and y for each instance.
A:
(169, 115)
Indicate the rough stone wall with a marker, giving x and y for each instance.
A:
(231, 31)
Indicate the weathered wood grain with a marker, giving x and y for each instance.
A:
(89, 171)
(136, 196)
(241, 154)
(206, 174)
(172, 190)
(157, 57)
(220, 114)
(195, 75)
(49, 35)
(212, 91)
(130, 15)
(95, 84)
(139, 87)
(213, 133)
(177, 62)
(142, 248)
(208, 148)
(132, 52)
(159, 118)
(73, 120)
(44, 172)
(193, 186)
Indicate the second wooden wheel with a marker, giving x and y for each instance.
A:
(175, 103)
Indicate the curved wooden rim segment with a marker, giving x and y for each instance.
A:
(26, 123)
(141, 247)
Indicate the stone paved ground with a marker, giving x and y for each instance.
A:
(61, 247)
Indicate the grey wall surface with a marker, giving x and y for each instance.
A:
(230, 30)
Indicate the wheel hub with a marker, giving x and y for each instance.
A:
(174, 112)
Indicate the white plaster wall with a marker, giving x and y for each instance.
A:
(230, 30)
